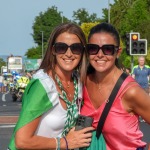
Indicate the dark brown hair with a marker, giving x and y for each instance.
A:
(106, 28)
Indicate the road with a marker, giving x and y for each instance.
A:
(9, 112)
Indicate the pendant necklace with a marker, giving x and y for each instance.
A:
(100, 86)
(62, 87)
(67, 83)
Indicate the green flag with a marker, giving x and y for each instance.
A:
(40, 96)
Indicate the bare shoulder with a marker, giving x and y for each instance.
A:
(135, 96)
(133, 92)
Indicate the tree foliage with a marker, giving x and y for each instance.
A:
(45, 22)
(125, 15)
(34, 53)
(86, 28)
(130, 16)
(134, 17)
(2, 62)
(82, 16)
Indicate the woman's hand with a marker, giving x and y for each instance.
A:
(80, 138)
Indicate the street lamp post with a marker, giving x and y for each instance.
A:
(108, 11)
(62, 19)
(42, 44)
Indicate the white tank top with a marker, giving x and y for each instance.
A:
(52, 123)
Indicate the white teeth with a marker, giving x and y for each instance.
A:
(100, 61)
(68, 60)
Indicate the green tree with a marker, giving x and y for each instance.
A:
(82, 16)
(134, 17)
(44, 23)
(130, 15)
(86, 28)
(105, 15)
(34, 53)
(2, 62)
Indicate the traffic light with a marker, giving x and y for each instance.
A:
(137, 46)
(134, 43)
(127, 42)
(143, 47)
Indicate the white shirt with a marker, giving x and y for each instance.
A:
(52, 123)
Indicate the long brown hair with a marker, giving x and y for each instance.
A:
(49, 60)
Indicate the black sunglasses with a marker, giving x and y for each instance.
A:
(107, 49)
(61, 48)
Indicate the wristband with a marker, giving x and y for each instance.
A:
(58, 143)
(66, 142)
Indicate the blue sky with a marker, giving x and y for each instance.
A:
(17, 17)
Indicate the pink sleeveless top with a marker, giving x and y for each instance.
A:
(121, 129)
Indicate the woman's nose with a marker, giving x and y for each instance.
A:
(100, 53)
(69, 52)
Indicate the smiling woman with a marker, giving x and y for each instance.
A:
(50, 100)
(121, 128)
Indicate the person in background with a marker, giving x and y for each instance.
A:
(5, 84)
(20, 86)
(141, 73)
(128, 71)
(50, 100)
(1, 83)
(121, 128)
(28, 74)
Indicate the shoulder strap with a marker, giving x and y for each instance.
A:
(110, 102)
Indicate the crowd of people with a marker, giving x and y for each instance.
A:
(75, 78)
(7, 80)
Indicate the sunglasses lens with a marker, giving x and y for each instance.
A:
(108, 49)
(60, 48)
(92, 49)
(77, 48)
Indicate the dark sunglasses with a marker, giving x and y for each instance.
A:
(61, 48)
(107, 49)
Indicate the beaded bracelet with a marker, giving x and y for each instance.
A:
(66, 142)
(58, 143)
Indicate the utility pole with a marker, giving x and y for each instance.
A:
(108, 11)
(62, 17)
(42, 43)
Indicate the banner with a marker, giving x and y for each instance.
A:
(14, 63)
(32, 64)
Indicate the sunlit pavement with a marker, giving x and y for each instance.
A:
(8, 119)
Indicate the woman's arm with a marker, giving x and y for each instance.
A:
(138, 101)
(26, 139)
